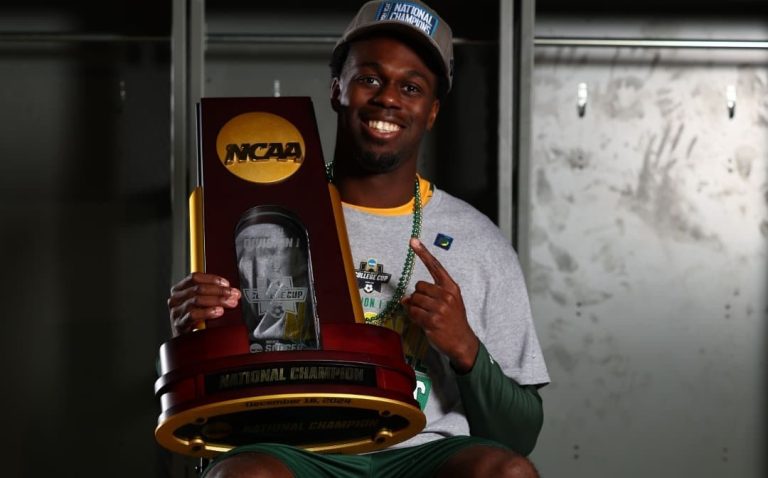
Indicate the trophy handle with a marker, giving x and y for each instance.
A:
(196, 238)
(346, 254)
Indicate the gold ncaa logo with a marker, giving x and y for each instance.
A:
(260, 147)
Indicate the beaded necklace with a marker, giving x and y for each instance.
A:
(405, 275)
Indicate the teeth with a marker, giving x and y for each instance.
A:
(383, 126)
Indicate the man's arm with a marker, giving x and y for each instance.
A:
(496, 406)
(499, 408)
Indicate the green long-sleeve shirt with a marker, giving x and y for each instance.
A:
(498, 408)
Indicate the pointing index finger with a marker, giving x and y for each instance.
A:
(435, 268)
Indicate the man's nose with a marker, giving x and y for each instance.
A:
(388, 96)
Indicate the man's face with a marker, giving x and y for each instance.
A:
(385, 99)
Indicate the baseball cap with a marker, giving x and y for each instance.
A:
(411, 19)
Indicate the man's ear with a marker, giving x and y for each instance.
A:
(433, 114)
(335, 93)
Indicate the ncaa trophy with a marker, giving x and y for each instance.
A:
(296, 363)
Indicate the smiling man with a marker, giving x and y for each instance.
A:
(461, 308)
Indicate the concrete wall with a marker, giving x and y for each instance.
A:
(648, 247)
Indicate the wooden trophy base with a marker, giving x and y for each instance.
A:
(354, 396)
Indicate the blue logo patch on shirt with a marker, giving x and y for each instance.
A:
(444, 242)
(410, 13)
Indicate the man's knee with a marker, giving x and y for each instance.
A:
(482, 461)
(249, 465)
(515, 466)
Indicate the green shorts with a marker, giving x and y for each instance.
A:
(416, 461)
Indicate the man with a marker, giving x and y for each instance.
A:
(463, 315)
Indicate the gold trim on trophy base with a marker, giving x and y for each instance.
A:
(204, 431)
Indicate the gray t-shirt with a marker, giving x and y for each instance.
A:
(482, 262)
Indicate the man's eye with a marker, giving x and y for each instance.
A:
(412, 89)
(368, 80)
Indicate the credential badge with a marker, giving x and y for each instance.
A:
(371, 276)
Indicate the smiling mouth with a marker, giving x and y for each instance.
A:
(383, 126)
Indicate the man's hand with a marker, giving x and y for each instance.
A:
(439, 310)
(199, 297)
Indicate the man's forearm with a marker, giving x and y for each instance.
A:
(498, 408)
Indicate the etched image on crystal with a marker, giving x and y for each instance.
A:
(275, 271)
